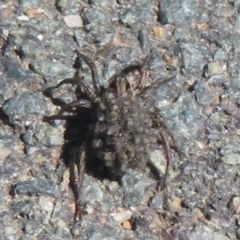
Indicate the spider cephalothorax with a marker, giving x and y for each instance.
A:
(124, 125)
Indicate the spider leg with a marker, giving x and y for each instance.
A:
(75, 104)
(130, 67)
(81, 167)
(75, 80)
(148, 89)
(168, 154)
(69, 108)
(58, 117)
(121, 86)
(142, 79)
(143, 73)
(165, 133)
(166, 127)
(77, 170)
(94, 72)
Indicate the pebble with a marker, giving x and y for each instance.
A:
(144, 40)
(122, 216)
(31, 12)
(219, 55)
(236, 204)
(194, 57)
(23, 18)
(176, 203)
(92, 192)
(182, 116)
(214, 68)
(136, 191)
(73, 21)
(113, 186)
(231, 159)
(160, 32)
(4, 152)
(50, 136)
(27, 4)
(127, 225)
(51, 69)
(157, 201)
(46, 203)
(36, 186)
(137, 16)
(177, 12)
(157, 157)
(203, 94)
(25, 103)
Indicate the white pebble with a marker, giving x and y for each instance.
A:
(23, 18)
(121, 217)
(4, 153)
(73, 21)
(46, 204)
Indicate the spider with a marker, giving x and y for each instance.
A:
(119, 124)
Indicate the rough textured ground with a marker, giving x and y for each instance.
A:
(195, 41)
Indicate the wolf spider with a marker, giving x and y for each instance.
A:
(124, 126)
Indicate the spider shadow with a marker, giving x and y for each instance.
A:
(77, 139)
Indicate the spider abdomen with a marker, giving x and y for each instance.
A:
(129, 136)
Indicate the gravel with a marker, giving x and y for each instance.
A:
(194, 42)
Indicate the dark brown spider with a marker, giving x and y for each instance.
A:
(123, 125)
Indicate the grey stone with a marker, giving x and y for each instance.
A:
(194, 57)
(49, 136)
(23, 106)
(182, 116)
(51, 69)
(178, 12)
(135, 186)
(214, 68)
(36, 186)
(137, 16)
(202, 93)
(231, 159)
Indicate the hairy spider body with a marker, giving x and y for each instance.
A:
(125, 126)
(122, 135)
